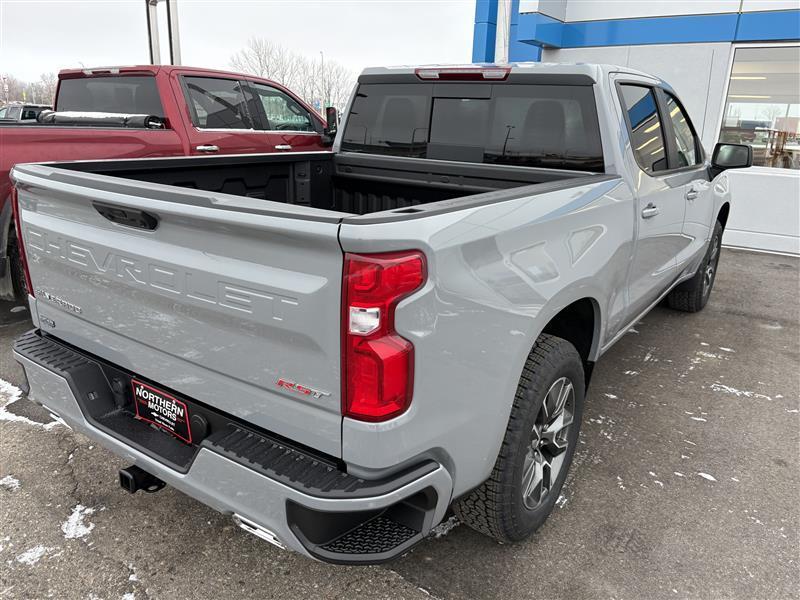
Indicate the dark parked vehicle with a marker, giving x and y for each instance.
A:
(22, 113)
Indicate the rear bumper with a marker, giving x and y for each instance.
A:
(334, 517)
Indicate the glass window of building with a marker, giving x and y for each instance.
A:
(763, 105)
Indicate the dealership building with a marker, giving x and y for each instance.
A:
(734, 63)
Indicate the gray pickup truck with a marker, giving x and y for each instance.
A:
(338, 348)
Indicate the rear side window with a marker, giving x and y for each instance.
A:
(551, 126)
(685, 140)
(217, 103)
(647, 133)
(127, 95)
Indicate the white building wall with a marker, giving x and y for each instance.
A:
(697, 72)
(765, 210)
(765, 202)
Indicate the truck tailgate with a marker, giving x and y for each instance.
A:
(220, 304)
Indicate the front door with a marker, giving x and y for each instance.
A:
(286, 120)
(690, 171)
(660, 202)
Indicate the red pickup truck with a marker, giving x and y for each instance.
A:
(189, 111)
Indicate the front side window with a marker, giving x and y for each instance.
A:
(762, 108)
(552, 126)
(647, 134)
(217, 103)
(283, 113)
(685, 140)
(128, 94)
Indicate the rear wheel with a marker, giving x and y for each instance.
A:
(537, 449)
(693, 295)
(17, 269)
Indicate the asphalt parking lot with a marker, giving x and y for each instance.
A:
(686, 484)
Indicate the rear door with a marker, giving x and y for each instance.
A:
(231, 301)
(221, 120)
(660, 203)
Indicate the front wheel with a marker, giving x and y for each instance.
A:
(693, 295)
(537, 449)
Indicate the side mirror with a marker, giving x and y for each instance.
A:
(731, 156)
(332, 123)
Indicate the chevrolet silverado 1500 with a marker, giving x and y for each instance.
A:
(338, 348)
(147, 111)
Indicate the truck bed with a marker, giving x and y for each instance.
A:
(346, 183)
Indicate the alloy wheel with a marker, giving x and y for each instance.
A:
(548, 445)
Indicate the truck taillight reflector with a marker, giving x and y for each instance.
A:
(377, 363)
(21, 245)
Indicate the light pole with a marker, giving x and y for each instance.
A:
(322, 76)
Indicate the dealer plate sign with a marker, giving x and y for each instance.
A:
(161, 409)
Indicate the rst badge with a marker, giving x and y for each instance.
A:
(59, 301)
(300, 389)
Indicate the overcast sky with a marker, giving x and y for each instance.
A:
(43, 36)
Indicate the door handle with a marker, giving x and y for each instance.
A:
(650, 211)
(207, 148)
(283, 147)
(691, 195)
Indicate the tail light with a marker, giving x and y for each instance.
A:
(378, 364)
(20, 244)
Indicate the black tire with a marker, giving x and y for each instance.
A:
(691, 296)
(499, 508)
(17, 270)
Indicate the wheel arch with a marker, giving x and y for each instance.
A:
(579, 322)
(724, 212)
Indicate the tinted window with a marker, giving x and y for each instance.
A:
(647, 134)
(685, 141)
(389, 119)
(30, 113)
(527, 125)
(283, 113)
(217, 103)
(128, 95)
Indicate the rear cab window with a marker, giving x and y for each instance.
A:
(128, 94)
(531, 125)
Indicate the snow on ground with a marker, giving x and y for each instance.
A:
(445, 527)
(31, 556)
(718, 387)
(74, 527)
(9, 394)
(9, 482)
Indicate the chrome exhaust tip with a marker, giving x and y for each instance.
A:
(258, 531)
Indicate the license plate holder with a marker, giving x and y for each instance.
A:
(161, 409)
